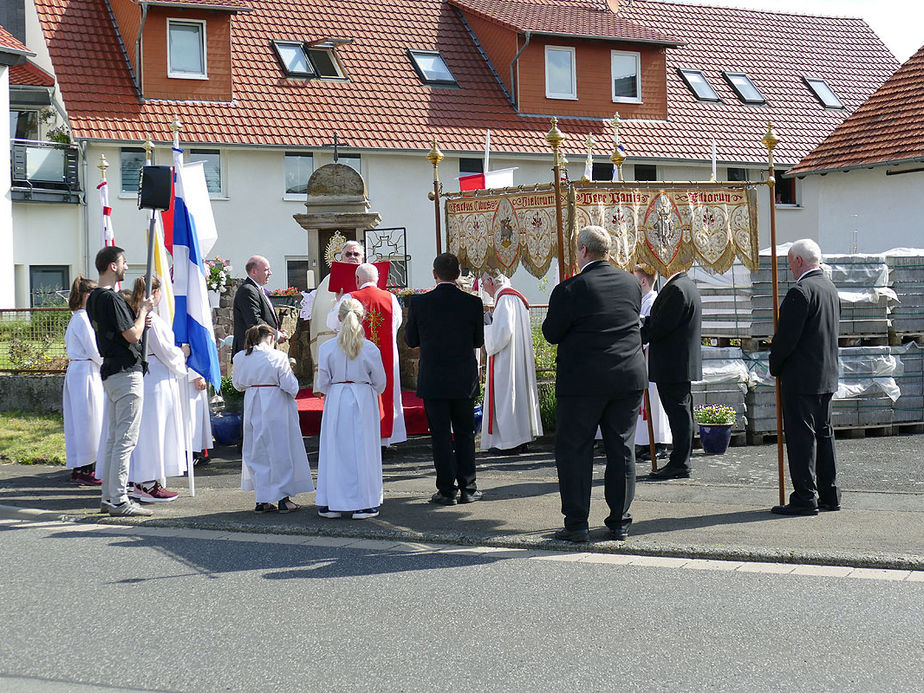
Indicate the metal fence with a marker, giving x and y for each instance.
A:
(32, 340)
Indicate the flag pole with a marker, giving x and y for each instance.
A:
(770, 140)
(435, 156)
(149, 267)
(555, 138)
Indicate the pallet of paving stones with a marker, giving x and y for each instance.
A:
(909, 407)
(726, 302)
(725, 378)
(906, 275)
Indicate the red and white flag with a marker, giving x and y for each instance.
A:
(107, 237)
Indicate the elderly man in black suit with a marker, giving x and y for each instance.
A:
(673, 332)
(803, 356)
(251, 305)
(593, 317)
(448, 325)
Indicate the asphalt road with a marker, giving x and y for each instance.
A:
(147, 608)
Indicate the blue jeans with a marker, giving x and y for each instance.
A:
(124, 399)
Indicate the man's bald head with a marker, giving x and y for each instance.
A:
(258, 269)
(353, 252)
(365, 273)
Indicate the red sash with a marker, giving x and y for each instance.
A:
(507, 291)
(378, 328)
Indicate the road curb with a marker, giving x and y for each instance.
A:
(534, 541)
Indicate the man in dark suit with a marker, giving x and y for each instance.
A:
(600, 375)
(803, 356)
(448, 325)
(251, 305)
(673, 332)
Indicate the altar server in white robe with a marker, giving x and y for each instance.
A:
(511, 397)
(200, 423)
(83, 388)
(368, 293)
(662, 430)
(351, 376)
(275, 464)
(161, 449)
(324, 300)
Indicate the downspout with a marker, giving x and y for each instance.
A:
(139, 71)
(515, 94)
(86, 208)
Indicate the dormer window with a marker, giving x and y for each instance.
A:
(744, 88)
(560, 74)
(626, 76)
(309, 60)
(823, 92)
(699, 85)
(431, 68)
(186, 49)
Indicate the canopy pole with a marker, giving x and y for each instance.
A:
(435, 156)
(555, 138)
(770, 140)
(652, 448)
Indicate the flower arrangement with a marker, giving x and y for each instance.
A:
(217, 274)
(290, 291)
(715, 415)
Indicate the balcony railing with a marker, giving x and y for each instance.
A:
(45, 171)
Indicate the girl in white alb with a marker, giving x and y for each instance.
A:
(83, 388)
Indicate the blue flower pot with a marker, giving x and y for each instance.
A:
(228, 428)
(715, 438)
(478, 417)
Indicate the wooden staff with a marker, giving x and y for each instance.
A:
(651, 441)
(555, 138)
(770, 140)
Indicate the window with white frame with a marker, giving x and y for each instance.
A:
(823, 92)
(627, 78)
(294, 59)
(560, 73)
(699, 85)
(470, 165)
(325, 61)
(297, 272)
(131, 161)
(186, 49)
(298, 169)
(787, 192)
(211, 159)
(351, 160)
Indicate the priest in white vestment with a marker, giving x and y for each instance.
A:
(275, 464)
(324, 300)
(660, 424)
(83, 389)
(510, 411)
(367, 277)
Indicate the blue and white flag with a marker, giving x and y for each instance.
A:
(192, 321)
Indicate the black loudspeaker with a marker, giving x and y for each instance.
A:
(154, 192)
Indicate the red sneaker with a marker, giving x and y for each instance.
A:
(85, 478)
(158, 494)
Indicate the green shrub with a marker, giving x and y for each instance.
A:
(714, 414)
(234, 400)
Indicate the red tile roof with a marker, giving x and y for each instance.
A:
(580, 18)
(231, 5)
(886, 129)
(384, 105)
(31, 75)
(11, 44)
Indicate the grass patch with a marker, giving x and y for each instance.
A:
(31, 438)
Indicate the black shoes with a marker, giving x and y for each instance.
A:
(790, 509)
(442, 499)
(618, 534)
(575, 536)
(470, 497)
(668, 472)
(829, 507)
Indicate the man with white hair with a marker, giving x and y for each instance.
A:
(381, 323)
(511, 417)
(324, 300)
(803, 356)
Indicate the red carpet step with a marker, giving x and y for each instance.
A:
(311, 406)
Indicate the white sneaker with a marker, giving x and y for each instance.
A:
(328, 513)
(104, 506)
(129, 509)
(366, 513)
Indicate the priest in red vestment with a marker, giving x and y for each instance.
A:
(383, 318)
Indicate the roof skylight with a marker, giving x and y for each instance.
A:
(431, 68)
(744, 88)
(699, 85)
(821, 90)
(306, 60)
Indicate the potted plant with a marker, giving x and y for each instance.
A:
(715, 424)
(227, 417)
(217, 276)
(290, 296)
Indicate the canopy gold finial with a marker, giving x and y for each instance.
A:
(175, 125)
(102, 165)
(554, 136)
(770, 140)
(434, 156)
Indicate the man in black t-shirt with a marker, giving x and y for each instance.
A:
(118, 336)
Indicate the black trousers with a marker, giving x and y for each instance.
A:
(678, 405)
(810, 448)
(453, 449)
(577, 421)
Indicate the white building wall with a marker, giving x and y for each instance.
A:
(7, 270)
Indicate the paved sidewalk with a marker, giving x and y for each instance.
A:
(722, 513)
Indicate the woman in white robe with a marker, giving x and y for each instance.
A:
(161, 449)
(351, 377)
(275, 464)
(200, 422)
(83, 388)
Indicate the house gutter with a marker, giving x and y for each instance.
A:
(86, 207)
(515, 95)
(144, 16)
